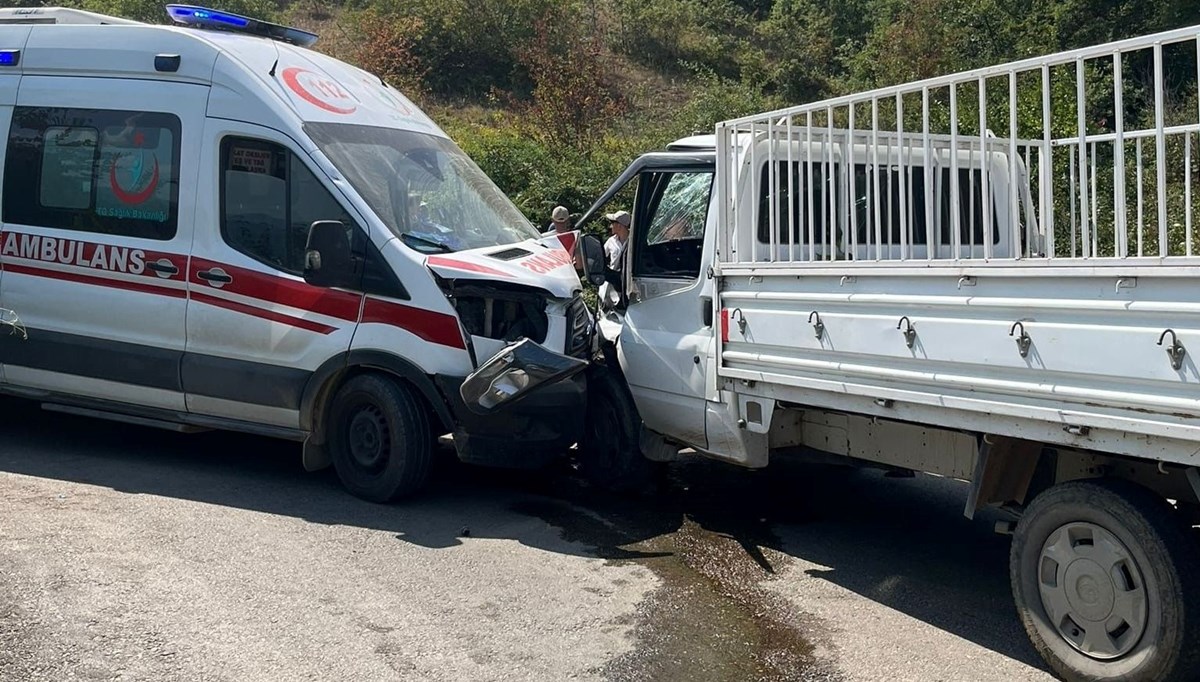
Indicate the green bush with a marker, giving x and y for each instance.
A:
(539, 174)
(469, 48)
(713, 99)
(387, 46)
(666, 34)
(573, 99)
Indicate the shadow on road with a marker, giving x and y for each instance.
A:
(901, 543)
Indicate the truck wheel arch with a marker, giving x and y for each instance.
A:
(326, 380)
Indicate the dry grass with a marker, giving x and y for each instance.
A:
(652, 96)
(324, 19)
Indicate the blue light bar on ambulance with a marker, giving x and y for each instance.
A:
(216, 20)
(10, 57)
(205, 18)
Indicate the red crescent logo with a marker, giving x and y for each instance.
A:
(132, 198)
(318, 90)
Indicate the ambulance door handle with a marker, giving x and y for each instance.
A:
(215, 276)
(162, 267)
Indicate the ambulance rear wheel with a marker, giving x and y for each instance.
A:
(380, 438)
(1104, 574)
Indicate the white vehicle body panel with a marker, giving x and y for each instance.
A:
(545, 264)
(124, 306)
(813, 299)
(1093, 361)
(227, 337)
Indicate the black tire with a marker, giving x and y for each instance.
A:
(610, 456)
(1155, 562)
(380, 438)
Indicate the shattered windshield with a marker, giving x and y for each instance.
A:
(424, 188)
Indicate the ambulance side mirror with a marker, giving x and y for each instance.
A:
(593, 260)
(327, 259)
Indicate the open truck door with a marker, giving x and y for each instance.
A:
(665, 329)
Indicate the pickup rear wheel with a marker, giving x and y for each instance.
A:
(380, 439)
(1104, 577)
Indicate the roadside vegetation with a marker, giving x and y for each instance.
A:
(554, 97)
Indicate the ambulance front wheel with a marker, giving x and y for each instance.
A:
(610, 456)
(380, 438)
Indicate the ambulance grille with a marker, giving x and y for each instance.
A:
(579, 329)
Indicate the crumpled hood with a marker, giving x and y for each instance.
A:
(546, 263)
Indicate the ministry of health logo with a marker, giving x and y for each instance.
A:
(132, 179)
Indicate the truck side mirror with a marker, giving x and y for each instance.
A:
(327, 259)
(593, 259)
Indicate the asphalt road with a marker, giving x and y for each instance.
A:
(134, 554)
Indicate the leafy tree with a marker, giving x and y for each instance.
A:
(800, 60)
(572, 99)
(388, 47)
(469, 48)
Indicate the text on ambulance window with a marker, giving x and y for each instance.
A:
(269, 198)
(93, 170)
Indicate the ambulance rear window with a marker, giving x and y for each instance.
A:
(67, 158)
(93, 170)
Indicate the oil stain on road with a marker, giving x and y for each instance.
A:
(710, 544)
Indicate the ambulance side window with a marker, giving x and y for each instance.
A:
(269, 198)
(93, 170)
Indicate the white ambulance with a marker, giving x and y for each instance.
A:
(209, 226)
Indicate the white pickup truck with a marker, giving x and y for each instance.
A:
(967, 276)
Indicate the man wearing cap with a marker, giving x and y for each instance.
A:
(614, 248)
(560, 221)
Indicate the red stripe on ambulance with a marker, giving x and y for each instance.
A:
(282, 291)
(465, 266)
(34, 271)
(95, 264)
(310, 325)
(433, 327)
(546, 261)
(73, 252)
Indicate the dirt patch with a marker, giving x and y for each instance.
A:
(20, 631)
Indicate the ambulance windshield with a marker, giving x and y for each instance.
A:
(423, 187)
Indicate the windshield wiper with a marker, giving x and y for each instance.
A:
(425, 241)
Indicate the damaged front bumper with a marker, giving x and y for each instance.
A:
(518, 370)
(521, 409)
